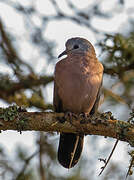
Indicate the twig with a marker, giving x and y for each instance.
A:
(27, 161)
(108, 157)
(41, 149)
(130, 166)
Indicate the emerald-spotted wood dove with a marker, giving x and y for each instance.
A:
(77, 83)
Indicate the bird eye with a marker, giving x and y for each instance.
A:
(76, 46)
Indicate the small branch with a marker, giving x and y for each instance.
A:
(26, 83)
(117, 71)
(41, 153)
(107, 161)
(11, 55)
(27, 161)
(13, 118)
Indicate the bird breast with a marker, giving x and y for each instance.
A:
(78, 84)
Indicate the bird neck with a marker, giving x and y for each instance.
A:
(83, 56)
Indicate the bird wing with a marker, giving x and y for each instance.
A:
(56, 99)
(96, 104)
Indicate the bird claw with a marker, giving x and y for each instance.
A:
(70, 115)
(83, 115)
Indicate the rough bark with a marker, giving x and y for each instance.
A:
(14, 118)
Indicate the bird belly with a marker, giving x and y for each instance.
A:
(75, 96)
(78, 86)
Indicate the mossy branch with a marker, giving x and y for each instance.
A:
(14, 118)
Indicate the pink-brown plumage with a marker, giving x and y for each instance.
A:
(78, 79)
(77, 82)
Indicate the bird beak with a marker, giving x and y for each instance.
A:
(62, 54)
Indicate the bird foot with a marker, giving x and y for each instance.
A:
(70, 115)
(83, 115)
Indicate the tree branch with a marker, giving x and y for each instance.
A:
(14, 118)
(12, 56)
(9, 87)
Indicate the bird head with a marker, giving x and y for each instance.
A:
(78, 45)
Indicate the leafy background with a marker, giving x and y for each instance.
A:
(32, 34)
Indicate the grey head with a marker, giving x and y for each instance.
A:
(77, 45)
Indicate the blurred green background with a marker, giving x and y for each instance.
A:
(32, 34)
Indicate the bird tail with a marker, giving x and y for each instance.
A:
(70, 148)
